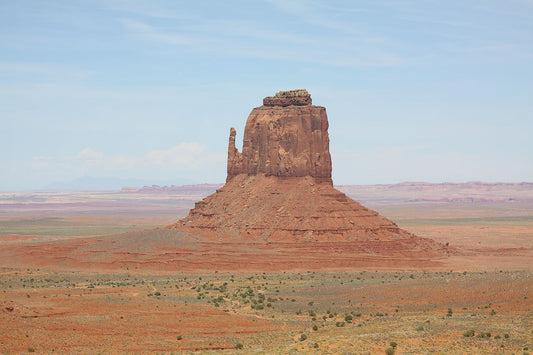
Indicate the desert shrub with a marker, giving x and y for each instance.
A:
(31, 350)
(506, 336)
(348, 318)
(238, 346)
(393, 344)
(484, 335)
(389, 351)
(157, 293)
(315, 327)
(419, 328)
(340, 324)
(450, 312)
(303, 337)
(315, 345)
(179, 337)
(469, 333)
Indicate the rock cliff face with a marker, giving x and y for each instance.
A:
(286, 137)
(279, 190)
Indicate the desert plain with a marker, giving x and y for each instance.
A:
(96, 272)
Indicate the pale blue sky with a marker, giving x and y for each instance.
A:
(415, 90)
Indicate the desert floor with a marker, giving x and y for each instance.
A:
(478, 302)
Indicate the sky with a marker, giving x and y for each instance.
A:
(146, 91)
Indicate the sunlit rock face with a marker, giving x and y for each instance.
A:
(286, 137)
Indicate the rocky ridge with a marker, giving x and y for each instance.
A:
(299, 97)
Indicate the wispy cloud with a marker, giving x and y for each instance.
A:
(184, 156)
(323, 16)
(188, 160)
(149, 32)
(40, 70)
(343, 44)
(89, 154)
(188, 155)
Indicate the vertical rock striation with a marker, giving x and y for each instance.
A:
(286, 137)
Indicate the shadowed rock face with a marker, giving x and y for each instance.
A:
(283, 140)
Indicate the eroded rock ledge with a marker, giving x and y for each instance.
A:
(299, 97)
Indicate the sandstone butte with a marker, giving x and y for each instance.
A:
(279, 191)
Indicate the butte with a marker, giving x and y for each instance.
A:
(279, 193)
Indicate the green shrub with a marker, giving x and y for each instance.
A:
(348, 318)
(393, 344)
(315, 327)
(389, 351)
(238, 346)
(419, 328)
(469, 333)
(303, 337)
(484, 335)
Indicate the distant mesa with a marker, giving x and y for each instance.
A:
(279, 189)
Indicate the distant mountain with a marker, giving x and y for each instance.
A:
(102, 183)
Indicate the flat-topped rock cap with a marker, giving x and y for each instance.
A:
(298, 97)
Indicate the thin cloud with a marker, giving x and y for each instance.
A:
(181, 158)
(149, 32)
(41, 70)
(88, 153)
(344, 45)
(190, 155)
